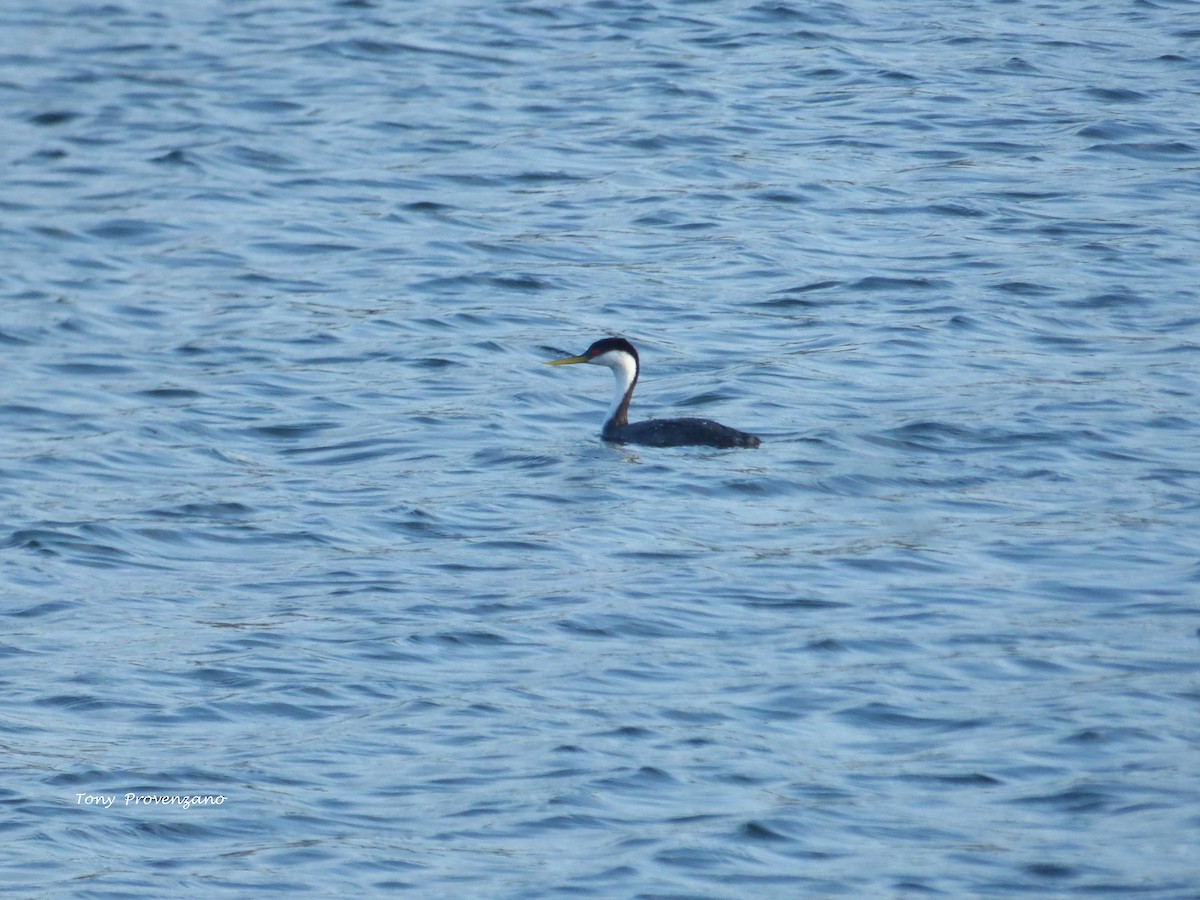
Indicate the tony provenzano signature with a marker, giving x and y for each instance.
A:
(183, 801)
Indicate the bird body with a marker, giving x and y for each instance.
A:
(619, 355)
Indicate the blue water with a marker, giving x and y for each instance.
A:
(296, 522)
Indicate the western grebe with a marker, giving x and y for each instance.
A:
(618, 354)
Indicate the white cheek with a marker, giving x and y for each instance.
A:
(621, 363)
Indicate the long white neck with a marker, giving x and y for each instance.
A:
(625, 371)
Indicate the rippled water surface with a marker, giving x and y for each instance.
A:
(295, 519)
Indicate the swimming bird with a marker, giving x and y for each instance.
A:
(618, 354)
